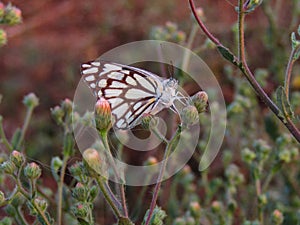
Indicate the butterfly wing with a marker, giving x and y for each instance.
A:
(130, 91)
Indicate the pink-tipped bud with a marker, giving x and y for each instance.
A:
(93, 161)
(32, 171)
(17, 158)
(12, 15)
(102, 115)
(200, 100)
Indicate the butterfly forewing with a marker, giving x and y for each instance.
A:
(130, 91)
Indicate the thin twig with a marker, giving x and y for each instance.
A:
(60, 190)
(160, 175)
(250, 77)
(3, 137)
(111, 159)
(288, 72)
(25, 126)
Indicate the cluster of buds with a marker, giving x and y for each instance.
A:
(10, 14)
(62, 113)
(15, 162)
(169, 32)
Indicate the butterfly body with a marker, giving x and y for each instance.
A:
(131, 92)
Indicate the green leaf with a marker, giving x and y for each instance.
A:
(284, 104)
(227, 54)
(16, 138)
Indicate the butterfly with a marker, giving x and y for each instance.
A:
(132, 92)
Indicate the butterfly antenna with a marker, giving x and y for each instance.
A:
(171, 69)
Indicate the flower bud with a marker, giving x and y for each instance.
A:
(277, 217)
(30, 100)
(285, 156)
(3, 37)
(93, 160)
(171, 26)
(189, 115)
(216, 207)
(79, 192)
(179, 36)
(80, 210)
(8, 167)
(58, 114)
(77, 169)
(195, 210)
(41, 203)
(150, 161)
(56, 163)
(248, 156)
(93, 193)
(12, 15)
(262, 199)
(32, 171)
(200, 100)
(102, 115)
(67, 106)
(17, 158)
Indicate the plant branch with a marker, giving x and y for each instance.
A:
(288, 72)
(243, 66)
(60, 190)
(25, 126)
(121, 185)
(101, 182)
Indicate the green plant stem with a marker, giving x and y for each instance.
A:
(60, 189)
(161, 173)
(28, 197)
(247, 72)
(259, 208)
(25, 126)
(110, 201)
(111, 159)
(3, 137)
(288, 72)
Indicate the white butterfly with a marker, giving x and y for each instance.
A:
(131, 92)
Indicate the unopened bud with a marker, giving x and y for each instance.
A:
(216, 207)
(58, 114)
(179, 221)
(67, 106)
(93, 160)
(195, 209)
(80, 210)
(102, 115)
(12, 15)
(79, 192)
(2, 198)
(8, 167)
(200, 100)
(41, 203)
(189, 115)
(32, 171)
(17, 158)
(150, 161)
(31, 100)
(277, 217)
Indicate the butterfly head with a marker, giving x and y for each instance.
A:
(170, 84)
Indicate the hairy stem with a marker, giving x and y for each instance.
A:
(60, 190)
(161, 173)
(111, 159)
(107, 196)
(25, 126)
(288, 72)
(247, 72)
